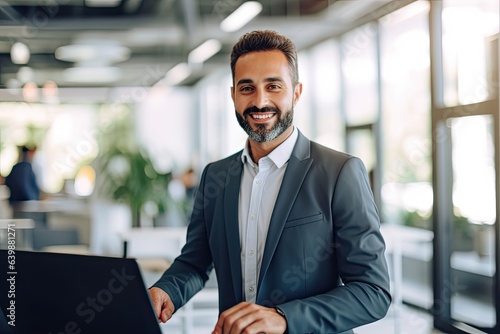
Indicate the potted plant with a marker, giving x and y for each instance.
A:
(128, 174)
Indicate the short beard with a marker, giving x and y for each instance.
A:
(262, 135)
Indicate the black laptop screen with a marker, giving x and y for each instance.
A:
(74, 294)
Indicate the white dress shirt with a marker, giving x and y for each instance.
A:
(260, 185)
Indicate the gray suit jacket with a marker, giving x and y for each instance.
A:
(323, 262)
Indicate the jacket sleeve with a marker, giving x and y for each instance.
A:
(190, 270)
(363, 296)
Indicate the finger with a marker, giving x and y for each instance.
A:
(265, 322)
(156, 301)
(167, 309)
(239, 319)
(242, 323)
(166, 314)
(219, 326)
(259, 326)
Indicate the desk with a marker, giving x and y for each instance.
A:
(51, 205)
(16, 225)
(165, 242)
(46, 233)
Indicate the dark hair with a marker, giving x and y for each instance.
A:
(25, 150)
(266, 40)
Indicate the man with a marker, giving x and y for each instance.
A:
(290, 226)
(21, 180)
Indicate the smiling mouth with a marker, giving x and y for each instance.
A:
(261, 116)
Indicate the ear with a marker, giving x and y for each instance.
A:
(297, 92)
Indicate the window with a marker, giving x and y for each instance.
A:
(359, 67)
(406, 194)
(329, 122)
(468, 26)
(405, 71)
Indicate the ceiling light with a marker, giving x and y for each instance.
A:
(25, 74)
(177, 74)
(20, 53)
(104, 54)
(102, 3)
(204, 51)
(241, 16)
(85, 74)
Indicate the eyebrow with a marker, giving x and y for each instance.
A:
(270, 79)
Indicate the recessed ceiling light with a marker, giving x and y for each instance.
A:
(103, 54)
(241, 16)
(25, 74)
(177, 74)
(92, 74)
(20, 53)
(204, 51)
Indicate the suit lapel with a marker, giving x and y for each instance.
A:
(298, 166)
(231, 203)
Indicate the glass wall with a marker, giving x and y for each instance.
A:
(326, 102)
(360, 75)
(474, 199)
(220, 134)
(406, 191)
(164, 122)
(360, 92)
(468, 26)
(465, 118)
(406, 110)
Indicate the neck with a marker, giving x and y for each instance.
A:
(260, 150)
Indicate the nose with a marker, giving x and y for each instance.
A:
(260, 98)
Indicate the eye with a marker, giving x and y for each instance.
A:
(246, 89)
(274, 86)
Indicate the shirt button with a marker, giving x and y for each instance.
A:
(250, 253)
(250, 289)
(259, 182)
(252, 217)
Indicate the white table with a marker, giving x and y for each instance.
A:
(17, 226)
(164, 242)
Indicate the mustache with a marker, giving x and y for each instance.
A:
(254, 109)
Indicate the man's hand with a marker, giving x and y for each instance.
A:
(162, 304)
(246, 318)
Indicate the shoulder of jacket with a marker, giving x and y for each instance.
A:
(320, 152)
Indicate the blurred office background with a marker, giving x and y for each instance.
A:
(127, 100)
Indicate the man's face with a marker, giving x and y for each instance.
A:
(264, 95)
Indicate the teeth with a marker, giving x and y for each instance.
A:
(262, 116)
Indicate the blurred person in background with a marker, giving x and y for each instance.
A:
(22, 181)
(290, 226)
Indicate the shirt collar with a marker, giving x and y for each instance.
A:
(279, 156)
